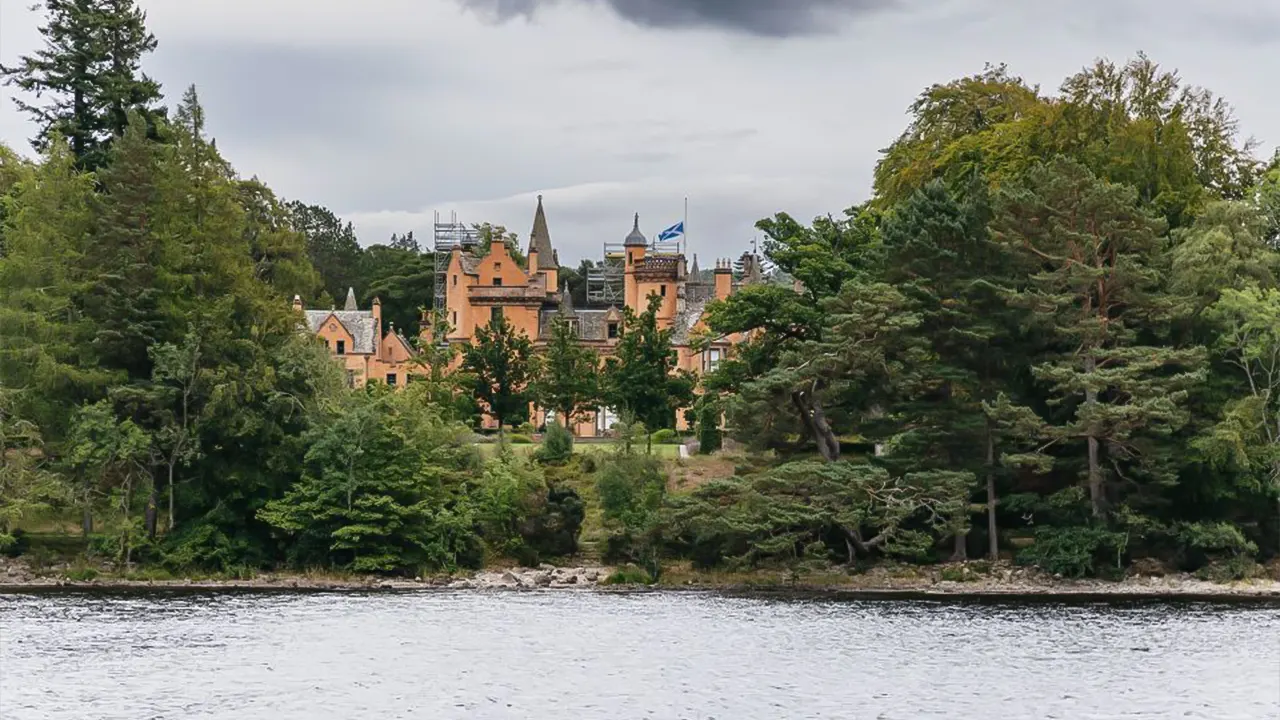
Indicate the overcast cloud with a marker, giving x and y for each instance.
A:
(386, 111)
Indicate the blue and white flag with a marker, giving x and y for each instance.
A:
(672, 232)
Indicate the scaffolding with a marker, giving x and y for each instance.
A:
(447, 236)
(605, 280)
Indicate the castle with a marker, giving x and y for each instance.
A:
(473, 289)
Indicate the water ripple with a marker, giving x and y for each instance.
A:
(668, 656)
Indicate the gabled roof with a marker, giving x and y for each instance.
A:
(358, 323)
(395, 337)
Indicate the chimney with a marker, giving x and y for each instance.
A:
(724, 279)
(377, 314)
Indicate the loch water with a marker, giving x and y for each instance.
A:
(588, 655)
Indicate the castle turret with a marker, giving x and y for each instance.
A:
(542, 256)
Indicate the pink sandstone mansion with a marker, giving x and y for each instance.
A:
(477, 288)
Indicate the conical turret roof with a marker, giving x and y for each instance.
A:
(540, 240)
(636, 237)
(351, 300)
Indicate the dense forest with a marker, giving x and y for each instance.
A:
(1052, 334)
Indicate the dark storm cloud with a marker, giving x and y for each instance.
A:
(770, 18)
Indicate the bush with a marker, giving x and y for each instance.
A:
(557, 445)
(665, 436)
(519, 439)
(629, 575)
(552, 529)
(1076, 552)
(709, 436)
(526, 428)
(15, 543)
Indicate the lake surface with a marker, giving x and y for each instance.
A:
(664, 655)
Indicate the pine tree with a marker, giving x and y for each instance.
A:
(1095, 289)
(90, 71)
(939, 256)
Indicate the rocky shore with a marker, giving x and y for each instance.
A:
(953, 580)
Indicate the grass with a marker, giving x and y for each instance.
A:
(669, 452)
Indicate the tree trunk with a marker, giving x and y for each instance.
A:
(993, 535)
(960, 553)
(86, 516)
(1097, 490)
(153, 511)
(171, 521)
(815, 421)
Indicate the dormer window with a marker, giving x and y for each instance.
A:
(613, 331)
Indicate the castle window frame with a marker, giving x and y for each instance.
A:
(611, 331)
(391, 379)
(342, 347)
(662, 290)
(497, 282)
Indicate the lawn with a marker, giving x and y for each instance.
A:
(663, 451)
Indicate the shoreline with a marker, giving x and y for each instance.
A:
(1013, 584)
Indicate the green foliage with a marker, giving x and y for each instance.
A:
(665, 436)
(557, 445)
(569, 380)
(641, 379)
(382, 490)
(810, 510)
(1076, 552)
(631, 489)
(709, 436)
(502, 364)
(89, 76)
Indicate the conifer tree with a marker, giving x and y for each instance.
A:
(1110, 390)
(88, 77)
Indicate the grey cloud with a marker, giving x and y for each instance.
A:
(766, 18)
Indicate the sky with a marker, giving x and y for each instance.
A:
(389, 111)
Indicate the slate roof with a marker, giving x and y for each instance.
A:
(636, 237)
(359, 323)
(685, 320)
(592, 324)
(470, 263)
(540, 241)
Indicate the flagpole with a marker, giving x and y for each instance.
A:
(686, 225)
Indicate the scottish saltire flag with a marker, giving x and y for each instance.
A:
(672, 232)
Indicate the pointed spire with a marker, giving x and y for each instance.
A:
(351, 300)
(540, 240)
(636, 237)
(693, 272)
(566, 300)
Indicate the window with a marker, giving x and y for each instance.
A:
(497, 267)
(455, 318)
(713, 359)
(497, 282)
(662, 290)
(455, 281)
(351, 378)
(495, 313)
(573, 326)
(391, 379)
(613, 330)
(342, 347)
(326, 344)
